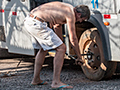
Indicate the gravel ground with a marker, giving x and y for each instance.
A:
(71, 74)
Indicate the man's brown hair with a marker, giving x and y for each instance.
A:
(84, 10)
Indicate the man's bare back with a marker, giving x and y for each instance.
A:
(54, 12)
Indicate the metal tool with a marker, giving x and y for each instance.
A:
(73, 58)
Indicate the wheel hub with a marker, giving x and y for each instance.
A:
(92, 54)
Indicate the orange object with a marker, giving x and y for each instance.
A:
(106, 23)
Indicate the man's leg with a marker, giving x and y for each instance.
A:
(58, 59)
(58, 63)
(39, 60)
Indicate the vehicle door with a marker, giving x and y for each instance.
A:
(17, 39)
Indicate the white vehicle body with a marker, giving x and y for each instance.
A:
(14, 38)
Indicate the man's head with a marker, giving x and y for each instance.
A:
(82, 12)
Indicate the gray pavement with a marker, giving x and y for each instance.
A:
(71, 74)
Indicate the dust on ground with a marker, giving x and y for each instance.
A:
(20, 77)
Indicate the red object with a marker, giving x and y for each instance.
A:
(2, 10)
(107, 16)
(14, 13)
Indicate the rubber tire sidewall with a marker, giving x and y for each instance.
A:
(106, 68)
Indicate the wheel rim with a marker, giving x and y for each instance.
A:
(91, 54)
(90, 44)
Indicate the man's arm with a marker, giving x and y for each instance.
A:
(72, 35)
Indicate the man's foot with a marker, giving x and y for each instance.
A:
(63, 86)
(60, 85)
(40, 83)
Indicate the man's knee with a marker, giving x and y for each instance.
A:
(62, 48)
(41, 51)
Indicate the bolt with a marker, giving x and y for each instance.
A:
(85, 51)
(98, 57)
(89, 49)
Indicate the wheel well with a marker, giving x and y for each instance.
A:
(80, 28)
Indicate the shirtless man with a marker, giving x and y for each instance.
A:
(57, 14)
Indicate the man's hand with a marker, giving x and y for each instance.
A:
(79, 61)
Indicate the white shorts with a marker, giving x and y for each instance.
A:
(44, 36)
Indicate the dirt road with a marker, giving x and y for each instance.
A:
(71, 74)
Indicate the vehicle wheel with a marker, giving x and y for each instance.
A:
(95, 66)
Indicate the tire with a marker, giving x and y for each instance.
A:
(95, 66)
